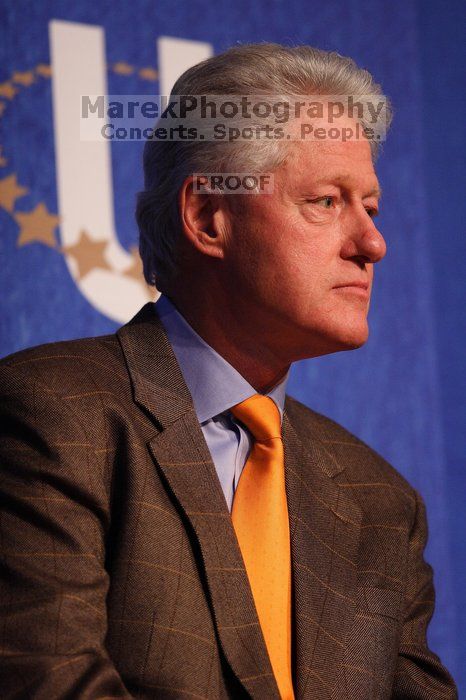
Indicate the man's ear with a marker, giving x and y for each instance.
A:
(203, 217)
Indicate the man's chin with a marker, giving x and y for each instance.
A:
(354, 339)
(314, 341)
(332, 344)
(348, 338)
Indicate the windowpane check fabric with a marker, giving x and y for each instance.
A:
(260, 519)
(120, 570)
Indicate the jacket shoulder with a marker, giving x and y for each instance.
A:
(360, 461)
(64, 366)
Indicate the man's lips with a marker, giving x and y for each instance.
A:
(360, 289)
(357, 285)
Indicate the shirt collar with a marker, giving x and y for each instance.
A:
(214, 384)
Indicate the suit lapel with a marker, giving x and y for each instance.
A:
(324, 524)
(325, 529)
(184, 462)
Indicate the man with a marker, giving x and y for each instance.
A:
(174, 525)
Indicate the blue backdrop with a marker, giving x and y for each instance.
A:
(405, 391)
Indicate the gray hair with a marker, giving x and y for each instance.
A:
(253, 69)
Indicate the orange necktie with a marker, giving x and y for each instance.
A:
(260, 519)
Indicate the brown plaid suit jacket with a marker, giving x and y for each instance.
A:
(120, 571)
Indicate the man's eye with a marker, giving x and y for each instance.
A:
(326, 202)
(372, 212)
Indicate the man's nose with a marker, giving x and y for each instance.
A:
(364, 239)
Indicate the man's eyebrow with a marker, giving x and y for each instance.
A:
(344, 179)
(375, 192)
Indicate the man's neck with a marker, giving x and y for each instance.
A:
(234, 340)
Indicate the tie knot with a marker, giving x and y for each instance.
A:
(260, 415)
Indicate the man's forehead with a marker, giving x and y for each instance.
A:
(359, 179)
(343, 165)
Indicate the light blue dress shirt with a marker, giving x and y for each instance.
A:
(215, 386)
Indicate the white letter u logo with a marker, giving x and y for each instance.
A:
(84, 181)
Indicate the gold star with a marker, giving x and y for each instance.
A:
(25, 79)
(37, 225)
(123, 68)
(148, 74)
(88, 254)
(10, 191)
(44, 70)
(8, 90)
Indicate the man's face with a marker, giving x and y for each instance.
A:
(295, 257)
